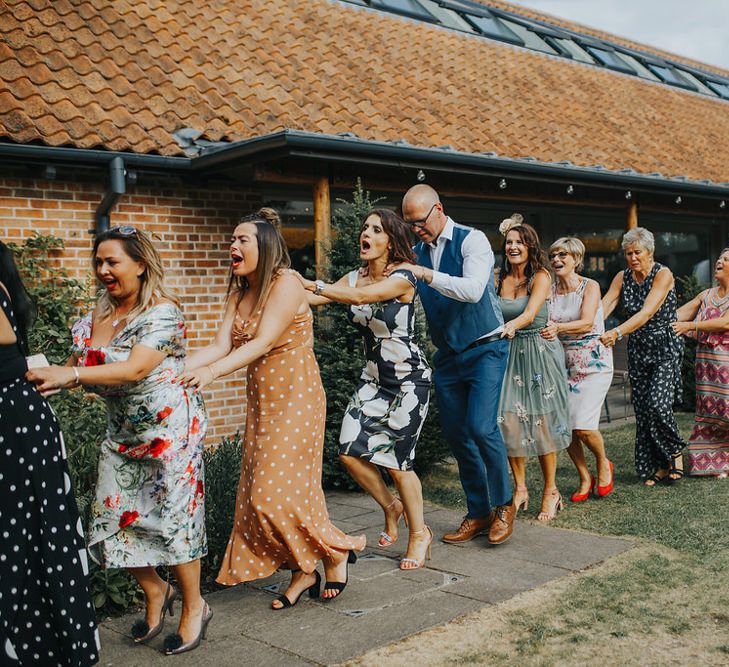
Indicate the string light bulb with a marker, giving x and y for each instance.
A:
(629, 195)
(678, 199)
(502, 184)
(570, 189)
(420, 175)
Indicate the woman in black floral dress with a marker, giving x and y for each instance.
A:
(654, 356)
(385, 415)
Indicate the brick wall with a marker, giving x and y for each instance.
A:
(191, 226)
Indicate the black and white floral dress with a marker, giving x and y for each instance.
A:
(46, 614)
(385, 415)
(654, 366)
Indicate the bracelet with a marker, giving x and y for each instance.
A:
(618, 333)
(212, 373)
(78, 379)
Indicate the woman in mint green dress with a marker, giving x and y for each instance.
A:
(534, 408)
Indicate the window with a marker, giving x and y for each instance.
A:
(492, 27)
(719, 87)
(568, 48)
(610, 59)
(447, 17)
(530, 39)
(641, 69)
(697, 83)
(410, 8)
(669, 75)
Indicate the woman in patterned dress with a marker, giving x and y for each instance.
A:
(149, 509)
(706, 318)
(648, 295)
(386, 413)
(576, 320)
(281, 517)
(46, 614)
(533, 409)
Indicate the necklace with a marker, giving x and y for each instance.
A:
(115, 322)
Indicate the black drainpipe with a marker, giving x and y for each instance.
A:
(117, 187)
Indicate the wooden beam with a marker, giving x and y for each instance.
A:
(322, 222)
(631, 220)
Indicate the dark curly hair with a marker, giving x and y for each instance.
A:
(536, 258)
(23, 306)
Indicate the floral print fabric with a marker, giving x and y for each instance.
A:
(654, 367)
(533, 409)
(150, 495)
(385, 415)
(589, 362)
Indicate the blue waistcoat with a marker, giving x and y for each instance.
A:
(454, 325)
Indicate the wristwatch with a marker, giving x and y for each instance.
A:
(320, 285)
(619, 333)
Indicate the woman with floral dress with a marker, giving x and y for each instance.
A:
(576, 321)
(534, 408)
(149, 509)
(648, 295)
(384, 417)
(706, 318)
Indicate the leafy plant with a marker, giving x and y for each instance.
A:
(114, 590)
(222, 473)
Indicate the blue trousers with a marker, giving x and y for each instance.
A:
(467, 388)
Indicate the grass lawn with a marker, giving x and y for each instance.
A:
(664, 602)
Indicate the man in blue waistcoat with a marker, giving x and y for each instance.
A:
(455, 275)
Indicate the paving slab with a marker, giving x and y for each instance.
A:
(381, 604)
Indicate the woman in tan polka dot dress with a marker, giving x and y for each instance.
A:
(281, 519)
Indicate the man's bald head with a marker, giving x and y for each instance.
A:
(420, 196)
(422, 210)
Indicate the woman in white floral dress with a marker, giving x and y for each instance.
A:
(576, 320)
(384, 417)
(149, 508)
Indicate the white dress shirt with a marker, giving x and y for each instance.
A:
(478, 266)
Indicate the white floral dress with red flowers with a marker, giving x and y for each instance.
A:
(149, 507)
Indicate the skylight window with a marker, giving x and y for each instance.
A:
(492, 27)
(610, 59)
(669, 75)
(530, 39)
(410, 8)
(568, 48)
(719, 87)
(697, 83)
(639, 67)
(447, 17)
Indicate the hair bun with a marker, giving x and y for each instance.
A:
(515, 220)
(271, 216)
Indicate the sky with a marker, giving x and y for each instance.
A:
(697, 29)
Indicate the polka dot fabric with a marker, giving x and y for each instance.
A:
(654, 368)
(281, 516)
(46, 614)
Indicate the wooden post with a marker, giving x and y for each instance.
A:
(322, 222)
(631, 221)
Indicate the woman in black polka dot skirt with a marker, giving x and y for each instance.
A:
(648, 295)
(46, 615)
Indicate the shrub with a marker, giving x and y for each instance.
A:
(339, 349)
(222, 473)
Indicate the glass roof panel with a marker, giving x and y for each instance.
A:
(493, 27)
(447, 17)
(670, 75)
(410, 8)
(610, 59)
(530, 39)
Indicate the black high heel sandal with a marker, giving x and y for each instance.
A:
(313, 591)
(339, 586)
(673, 470)
(141, 632)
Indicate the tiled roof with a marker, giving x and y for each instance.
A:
(126, 75)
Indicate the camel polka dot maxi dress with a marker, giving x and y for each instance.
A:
(46, 615)
(281, 516)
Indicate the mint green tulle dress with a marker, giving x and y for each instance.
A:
(534, 413)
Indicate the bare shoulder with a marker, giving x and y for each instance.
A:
(5, 289)
(664, 275)
(542, 277)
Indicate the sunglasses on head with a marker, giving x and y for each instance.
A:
(124, 230)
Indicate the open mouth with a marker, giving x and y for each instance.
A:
(235, 259)
(364, 246)
(110, 283)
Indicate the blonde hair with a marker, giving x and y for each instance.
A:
(573, 246)
(273, 256)
(139, 247)
(640, 236)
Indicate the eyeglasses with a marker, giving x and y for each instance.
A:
(124, 230)
(421, 223)
(558, 255)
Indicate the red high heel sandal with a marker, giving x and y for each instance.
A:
(582, 497)
(606, 490)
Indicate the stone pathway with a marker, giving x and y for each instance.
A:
(381, 603)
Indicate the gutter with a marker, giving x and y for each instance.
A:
(351, 149)
(117, 187)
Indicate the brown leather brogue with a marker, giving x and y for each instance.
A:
(468, 529)
(503, 523)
